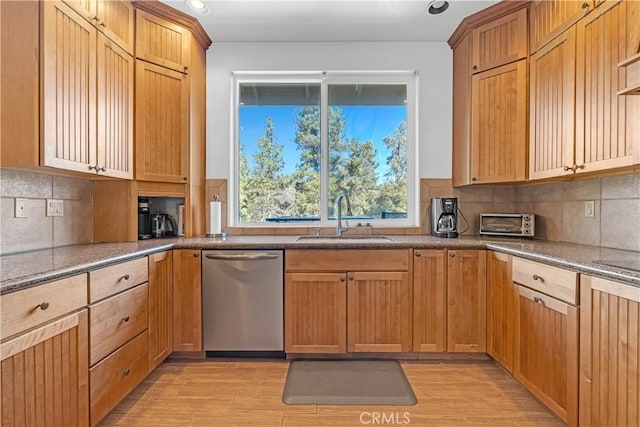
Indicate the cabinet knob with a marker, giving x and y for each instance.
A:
(576, 167)
(43, 305)
(538, 300)
(126, 372)
(102, 24)
(185, 68)
(102, 169)
(342, 279)
(125, 277)
(473, 178)
(536, 277)
(418, 254)
(475, 67)
(93, 168)
(351, 278)
(125, 319)
(196, 255)
(452, 254)
(567, 168)
(95, 18)
(585, 5)
(184, 178)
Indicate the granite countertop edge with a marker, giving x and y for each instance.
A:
(552, 253)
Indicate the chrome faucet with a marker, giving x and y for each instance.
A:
(340, 229)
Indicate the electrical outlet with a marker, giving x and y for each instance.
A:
(55, 207)
(20, 211)
(589, 209)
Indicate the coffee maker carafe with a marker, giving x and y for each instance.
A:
(444, 217)
(144, 219)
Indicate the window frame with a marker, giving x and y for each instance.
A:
(325, 78)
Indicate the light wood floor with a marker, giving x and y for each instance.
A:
(248, 393)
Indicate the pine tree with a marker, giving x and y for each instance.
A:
(393, 192)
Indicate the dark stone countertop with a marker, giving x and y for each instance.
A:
(19, 271)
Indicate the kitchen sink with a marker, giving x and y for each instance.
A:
(372, 239)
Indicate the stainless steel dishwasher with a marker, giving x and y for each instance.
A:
(242, 303)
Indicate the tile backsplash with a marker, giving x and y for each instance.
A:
(37, 231)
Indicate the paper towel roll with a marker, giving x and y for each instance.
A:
(215, 217)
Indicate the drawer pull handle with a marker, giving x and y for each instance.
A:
(125, 277)
(538, 300)
(585, 5)
(536, 277)
(43, 305)
(125, 319)
(126, 372)
(418, 254)
(452, 254)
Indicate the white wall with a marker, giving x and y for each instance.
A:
(432, 60)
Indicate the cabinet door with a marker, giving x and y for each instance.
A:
(429, 302)
(500, 301)
(546, 351)
(500, 41)
(45, 375)
(606, 136)
(160, 307)
(609, 353)
(69, 89)
(551, 111)
(115, 110)
(187, 300)
(379, 312)
(315, 313)
(115, 20)
(162, 124)
(162, 42)
(548, 18)
(466, 301)
(499, 124)
(85, 8)
(461, 174)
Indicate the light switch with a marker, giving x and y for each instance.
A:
(20, 211)
(55, 207)
(589, 209)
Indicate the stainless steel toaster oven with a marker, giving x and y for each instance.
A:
(508, 224)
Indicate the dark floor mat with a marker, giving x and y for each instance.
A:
(347, 382)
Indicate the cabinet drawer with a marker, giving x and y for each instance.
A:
(116, 320)
(554, 281)
(347, 260)
(110, 280)
(114, 377)
(28, 308)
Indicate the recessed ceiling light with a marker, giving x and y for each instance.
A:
(198, 6)
(436, 7)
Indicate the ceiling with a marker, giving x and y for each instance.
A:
(329, 20)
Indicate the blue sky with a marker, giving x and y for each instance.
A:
(365, 123)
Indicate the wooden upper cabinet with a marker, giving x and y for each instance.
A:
(315, 313)
(500, 303)
(86, 8)
(466, 300)
(499, 42)
(162, 124)
(187, 300)
(162, 42)
(69, 89)
(607, 125)
(160, 307)
(549, 18)
(461, 174)
(115, 109)
(499, 124)
(429, 300)
(551, 110)
(115, 18)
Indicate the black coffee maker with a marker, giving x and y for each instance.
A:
(144, 219)
(444, 217)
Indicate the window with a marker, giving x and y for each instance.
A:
(301, 141)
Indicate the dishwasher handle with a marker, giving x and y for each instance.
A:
(242, 257)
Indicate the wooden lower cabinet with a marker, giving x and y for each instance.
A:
(160, 307)
(187, 300)
(500, 307)
(546, 351)
(45, 375)
(429, 300)
(466, 300)
(609, 353)
(315, 313)
(378, 311)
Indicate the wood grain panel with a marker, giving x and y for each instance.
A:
(115, 109)
(461, 173)
(429, 300)
(379, 311)
(546, 351)
(69, 89)
(609, 353)
(160, 307)
(554, 281)
(110, 280)
(548, 18)
(605, 138)
(116, 320)
(85, 8)
(500, 41)
(498, 124)
(347, 260)
(315, 313)
(187, 300)
(162, 124)
(551, 109)
(500, 309)
(45, 380)
(113, 378)
(34, 306)
(466, 301)
(162, 42)
(116, 21)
